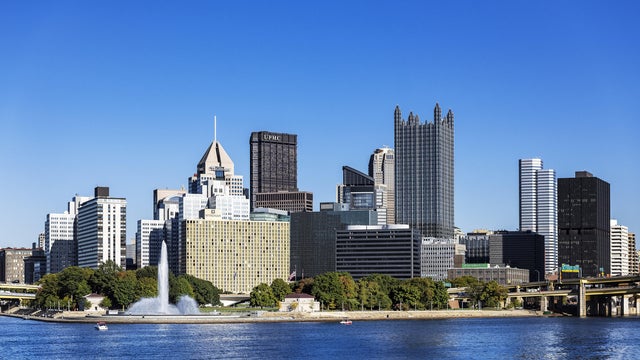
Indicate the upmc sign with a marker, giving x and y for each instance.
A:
(271, 137)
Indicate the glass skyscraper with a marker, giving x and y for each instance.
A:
(424, 173)
(539, 206)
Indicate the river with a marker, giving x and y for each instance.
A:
(491, 338)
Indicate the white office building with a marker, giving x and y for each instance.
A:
(149, 237)
(102, 230)
(439, 255)
(59, 245)
(619, 249)
(539, 206)
(382, 169)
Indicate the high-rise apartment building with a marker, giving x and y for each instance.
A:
(274, 173)
(539, 206)
(424, 173)
(619, 249)
(102, 230)
(382, 170)
(584, 215)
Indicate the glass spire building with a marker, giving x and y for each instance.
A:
(424, 173)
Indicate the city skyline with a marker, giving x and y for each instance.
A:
(125, 99)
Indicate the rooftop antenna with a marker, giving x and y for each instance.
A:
(215, 134)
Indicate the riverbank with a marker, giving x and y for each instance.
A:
(260, 317)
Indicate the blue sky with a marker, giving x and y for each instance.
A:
(123, 94)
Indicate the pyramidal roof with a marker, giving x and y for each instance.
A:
(215, 157)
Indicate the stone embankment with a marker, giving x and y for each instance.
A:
(259, 316)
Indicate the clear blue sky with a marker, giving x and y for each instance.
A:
(122, 94)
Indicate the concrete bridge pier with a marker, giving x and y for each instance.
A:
(582, 300)
(544, 303)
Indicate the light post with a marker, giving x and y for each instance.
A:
(538, 272)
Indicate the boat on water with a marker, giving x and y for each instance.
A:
(346, 322)
(102, 326)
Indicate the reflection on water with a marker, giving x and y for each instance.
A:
(522, 338)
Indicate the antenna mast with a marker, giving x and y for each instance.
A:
(215, 134)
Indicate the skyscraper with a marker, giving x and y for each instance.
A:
(274, 173)
(382, 169)
(102, 230)
(539, 207)
(424, 173)
(584, 216)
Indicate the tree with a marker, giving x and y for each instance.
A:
(335, 290)
(262, 296)
(406, 296)
(303, 286)
(493, 294)
(73, 282)
(147, 287)
(147, 272)
(104, 278)
(125, 289)
(106, 303)
(464, 281)
(386, 282)
(204, 292)
(280, 289)
(48, 293)
(179, 286)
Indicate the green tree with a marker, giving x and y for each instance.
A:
(125, 289)
(493, 294)
(464, 281)
(386, 282)
(47, 295)
(406, 296)
(147, 272)
(203, 290)
(73, 282)
(303, 286)
(104, 278)
(147, 287)
(280, 289)
(179, 286)
(262, 296)
(335, 290)
(106, 303)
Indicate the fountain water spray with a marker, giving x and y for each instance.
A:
(160, 304)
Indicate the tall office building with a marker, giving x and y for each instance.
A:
(619, 249)
(149, 237)
(633, 255)
(519, 249)
(274, 173)
(60, 237)
(439, 255)
(359, 191)
(584, 215)
(102, 230)
(382, 170)
(424, 173)
(539, 207)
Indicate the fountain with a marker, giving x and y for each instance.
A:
(160, 305)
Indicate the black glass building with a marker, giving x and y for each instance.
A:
(274, 164)
(584, 216)
(424, 173)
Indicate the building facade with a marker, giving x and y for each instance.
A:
(273, 165)
(233, 255)
(518, 249)
(60, 245)
(313, 237)
(12, 264)
(149, 238)
(584, 216)
(486, 273)
(102, 230)
(477, 248)
(359, 192)
(424, 173)
(539, 206)
(619, 249)
(439, 255)
(363, 250)
(382, 170)
(633, 255)
(291, 201)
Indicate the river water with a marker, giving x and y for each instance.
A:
(500, 338)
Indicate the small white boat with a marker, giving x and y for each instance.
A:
(102, 326)
(346, 322)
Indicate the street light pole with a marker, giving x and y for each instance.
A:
(537, 272)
